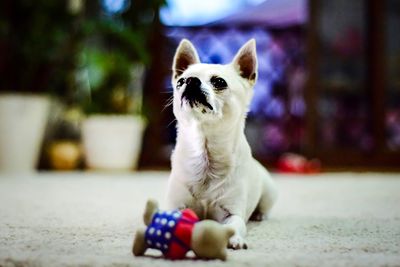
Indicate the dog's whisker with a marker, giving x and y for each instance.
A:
(169, 102)
(169, 124)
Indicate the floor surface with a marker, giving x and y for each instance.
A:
(75, 219)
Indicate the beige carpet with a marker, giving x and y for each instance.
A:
(89, 220)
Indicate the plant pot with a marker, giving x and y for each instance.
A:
(23, 121)
(112, 142)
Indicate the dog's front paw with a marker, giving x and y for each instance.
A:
(237, 242)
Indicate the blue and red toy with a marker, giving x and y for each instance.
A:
(176, 232)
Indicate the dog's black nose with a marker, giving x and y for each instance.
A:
(193, 82)
(193, 93)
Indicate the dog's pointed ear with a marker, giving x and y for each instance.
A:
(245, 61)
(185, 56)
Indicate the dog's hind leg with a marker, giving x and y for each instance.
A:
(267, 200)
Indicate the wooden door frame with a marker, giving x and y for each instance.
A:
(379, 158)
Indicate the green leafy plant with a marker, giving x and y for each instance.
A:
(82, 51)
(113, 56)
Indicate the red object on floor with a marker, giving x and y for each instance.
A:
(294, 163)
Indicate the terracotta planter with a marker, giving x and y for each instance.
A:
(23, 120)
(112, 142)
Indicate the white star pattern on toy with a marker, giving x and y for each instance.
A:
(160, 232)
(167, 235)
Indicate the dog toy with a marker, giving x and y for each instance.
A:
(178, 231)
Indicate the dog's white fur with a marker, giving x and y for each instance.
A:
(213, 171)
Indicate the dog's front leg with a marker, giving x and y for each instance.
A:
(178, 196)
(237, 240)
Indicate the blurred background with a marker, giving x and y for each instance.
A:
(84, 84)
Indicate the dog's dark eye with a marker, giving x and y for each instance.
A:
(218, 83)
(180, 82)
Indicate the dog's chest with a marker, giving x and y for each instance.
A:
(209, 190)
(207, 162)
(209, 170)
(208, 199)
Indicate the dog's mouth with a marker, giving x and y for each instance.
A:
(195, 99)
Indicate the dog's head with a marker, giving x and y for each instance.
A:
(213, 92)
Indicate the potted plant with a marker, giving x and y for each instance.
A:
(109, 79)
(36, 43)
(112, 132)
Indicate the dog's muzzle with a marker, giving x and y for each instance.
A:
(193, 93)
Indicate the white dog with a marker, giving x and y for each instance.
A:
(213, 171)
